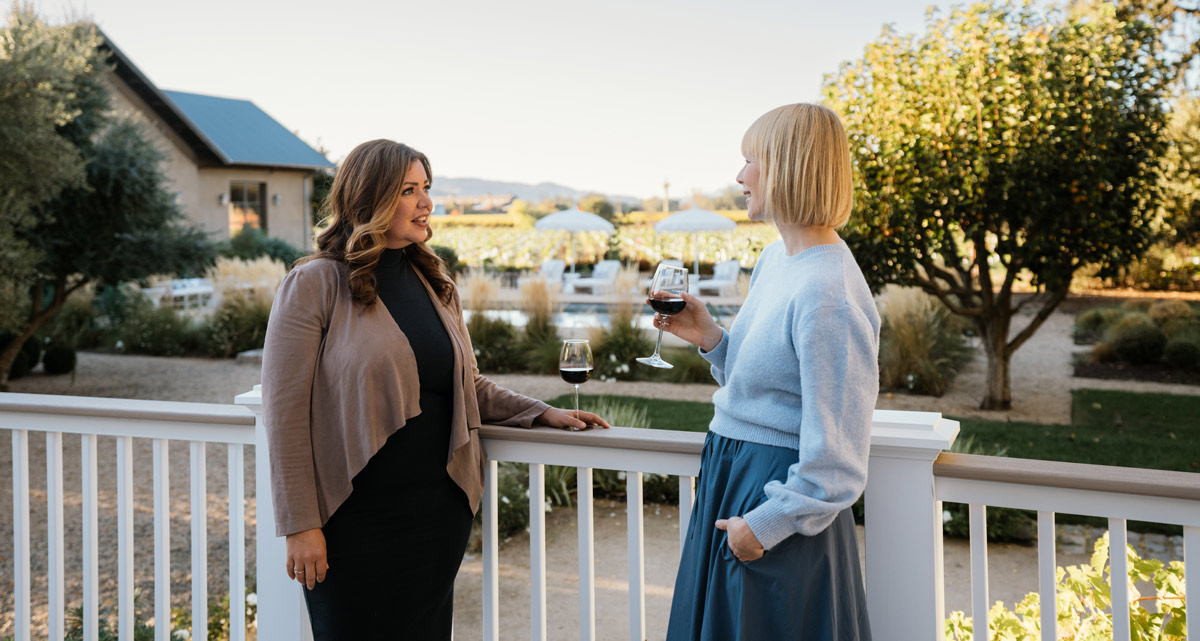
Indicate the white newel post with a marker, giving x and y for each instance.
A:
(282, 615)
(904, 525)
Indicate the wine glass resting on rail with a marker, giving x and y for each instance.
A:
(575, 367)
(666, 298)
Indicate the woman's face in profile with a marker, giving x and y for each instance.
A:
(410, 224)
(748, 179)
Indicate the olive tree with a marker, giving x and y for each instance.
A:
(113, 223)
(1006, 143)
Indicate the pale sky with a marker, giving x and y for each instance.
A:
(612, 96)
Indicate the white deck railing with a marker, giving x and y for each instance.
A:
(59, 416)
(903, 511)
(1116, 493)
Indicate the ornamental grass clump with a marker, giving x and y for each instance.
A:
(253, 278)
(479, 289)
(1183, 352)
(539, 342)
(1168, 310)
(1136, 338)
(1091, 324)
(921, 343)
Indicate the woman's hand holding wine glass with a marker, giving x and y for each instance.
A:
(693, 324)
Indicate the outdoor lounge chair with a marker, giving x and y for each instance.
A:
(724, 280)
(602, 279)
(550, 271)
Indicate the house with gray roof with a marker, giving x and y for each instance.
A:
(230, 164)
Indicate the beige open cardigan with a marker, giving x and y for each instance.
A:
(340, 377)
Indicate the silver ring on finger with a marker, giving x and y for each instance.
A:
(298, 570)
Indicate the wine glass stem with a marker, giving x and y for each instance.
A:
(577, 401)
(658, 345)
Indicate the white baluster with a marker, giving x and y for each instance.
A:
(637, 569)
(979, 571)
(587, 556)
(199, 485)
(1191, 572)
(90, 502)
(1047, 580)
(237, 544)
(125, 581)
(687, 497)
(537, 552)
(162, 541)
(1118, 564)
(491, 555)
(55, 579)
(22, 595)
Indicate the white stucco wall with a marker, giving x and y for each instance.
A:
(199, 189)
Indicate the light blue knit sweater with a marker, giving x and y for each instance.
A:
(800, 369)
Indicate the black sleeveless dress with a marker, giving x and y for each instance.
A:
(396, 544)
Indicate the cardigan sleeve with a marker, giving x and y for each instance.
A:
(496, 404)
(295, 330)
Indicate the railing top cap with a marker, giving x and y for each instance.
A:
(126, 408)
(618, 437)
(1075, 476)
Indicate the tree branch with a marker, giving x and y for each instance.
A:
(1056, 297)
(956, 286)
(930, 287)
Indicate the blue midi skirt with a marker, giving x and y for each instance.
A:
(807, 588)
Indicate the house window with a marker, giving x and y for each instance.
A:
(247, 206)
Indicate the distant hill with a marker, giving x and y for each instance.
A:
(524, 191)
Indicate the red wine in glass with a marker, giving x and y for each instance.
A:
(575, 375)
(666, 298)
(667, 306)
(575, 367)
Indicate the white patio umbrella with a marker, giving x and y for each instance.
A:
(571, 221)
(694, 221)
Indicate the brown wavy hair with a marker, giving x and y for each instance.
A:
(361, 204)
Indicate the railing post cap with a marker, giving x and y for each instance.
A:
(911, 434)
(251, 398)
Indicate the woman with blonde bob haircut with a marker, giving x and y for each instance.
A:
(372, 402)
(771, 550)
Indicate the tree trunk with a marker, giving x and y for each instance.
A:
(9, 355)
(994, 330)
(37, 318)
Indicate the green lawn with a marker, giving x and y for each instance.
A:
(1156, 431)
(683, 416)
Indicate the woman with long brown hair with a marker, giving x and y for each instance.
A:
(372, 401)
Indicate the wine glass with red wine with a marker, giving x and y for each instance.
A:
(666, 298)
(575, 367)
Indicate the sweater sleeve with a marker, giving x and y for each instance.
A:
(716, 358)
(839, 380)
(294, 333)
(498, 405)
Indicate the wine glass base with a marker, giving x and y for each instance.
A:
(654, 361)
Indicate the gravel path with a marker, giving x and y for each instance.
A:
(1042, 382)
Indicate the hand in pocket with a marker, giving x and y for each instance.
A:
(740, 538)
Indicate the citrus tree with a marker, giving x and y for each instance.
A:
(1005, 142)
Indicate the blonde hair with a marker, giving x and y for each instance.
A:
(804, 165)
(361, 204)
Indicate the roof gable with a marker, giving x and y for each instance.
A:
(221, 131)
(243, 134)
